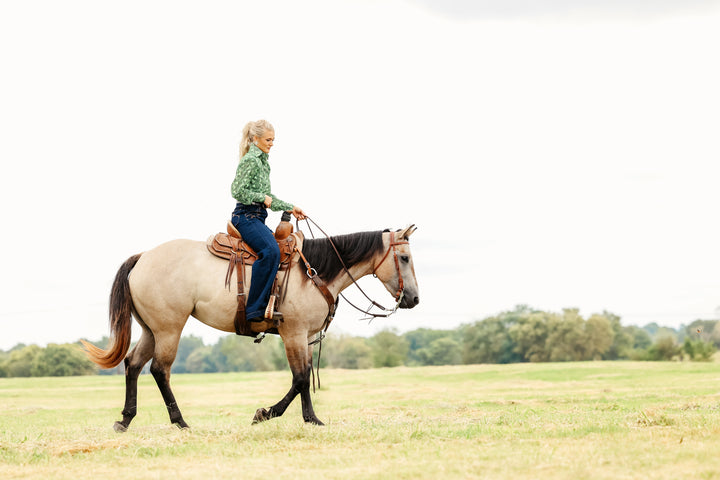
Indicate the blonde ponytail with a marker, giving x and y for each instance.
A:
(251, 130)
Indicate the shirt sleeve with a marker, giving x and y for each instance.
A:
(246, 188)
(278, 205)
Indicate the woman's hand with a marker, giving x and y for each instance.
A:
(298, 212)
(268, 201)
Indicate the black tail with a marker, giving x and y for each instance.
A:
(121, 308)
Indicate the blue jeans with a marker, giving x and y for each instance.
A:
(250, 222)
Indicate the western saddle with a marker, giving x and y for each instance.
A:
(231, 246)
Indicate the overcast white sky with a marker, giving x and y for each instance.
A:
(556, 153)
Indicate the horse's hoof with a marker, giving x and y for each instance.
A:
(314, 421)
(182, 425)
(261, 415)
(119, 427)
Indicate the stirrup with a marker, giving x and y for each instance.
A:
(270, 313)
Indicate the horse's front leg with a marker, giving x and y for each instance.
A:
(307, 407)
(299, 357)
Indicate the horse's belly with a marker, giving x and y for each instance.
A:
(215, 303)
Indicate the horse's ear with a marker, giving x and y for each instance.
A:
(407, 231)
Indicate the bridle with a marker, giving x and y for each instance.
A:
(399, 294)
(401, 285)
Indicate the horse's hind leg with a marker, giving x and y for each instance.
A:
(134, 363)
(165, 351)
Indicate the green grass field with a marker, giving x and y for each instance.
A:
(598, 420)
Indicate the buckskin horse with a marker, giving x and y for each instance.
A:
(164, 286)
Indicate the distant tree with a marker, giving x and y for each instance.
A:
(441, 351)
(529, 336)
(567, 339)
(663, 349)
(703, 330)
(714, 335)
(641, 339)
(200, 361)
(20, 361)
(665, 332)
(488, 341)
(419, 342)
(639, 344)
(599, 336)
(651, 329)
(3, 369)
(573, 339)
(622, 341)
(276, 352)
(520, 310)
(61, 361)
(388, 349)
(186, 346)
(240, 354)
(699, 350)
(345, 351)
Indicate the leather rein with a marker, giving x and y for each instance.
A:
(392, 247)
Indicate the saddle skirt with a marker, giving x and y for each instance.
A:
(231, 244)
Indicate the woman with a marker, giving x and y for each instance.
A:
(251, 189)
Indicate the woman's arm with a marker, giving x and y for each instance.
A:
(245, 188)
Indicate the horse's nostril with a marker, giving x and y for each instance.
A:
(416, 300)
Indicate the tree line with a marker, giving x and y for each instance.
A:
(519, 335)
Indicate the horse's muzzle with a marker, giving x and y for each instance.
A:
(409, 300)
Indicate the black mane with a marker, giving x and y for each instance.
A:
(354, 248)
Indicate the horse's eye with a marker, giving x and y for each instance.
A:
(404, 258)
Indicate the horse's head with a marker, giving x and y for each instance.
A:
(396, 270)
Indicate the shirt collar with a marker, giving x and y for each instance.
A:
(255, 150)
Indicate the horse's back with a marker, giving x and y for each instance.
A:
(174, 275)
(172, 257)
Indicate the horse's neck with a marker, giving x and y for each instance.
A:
(357, 272)
(344, 281)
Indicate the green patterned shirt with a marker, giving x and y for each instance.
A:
(252, 181)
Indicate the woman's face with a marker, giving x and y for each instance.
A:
(265, 141)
